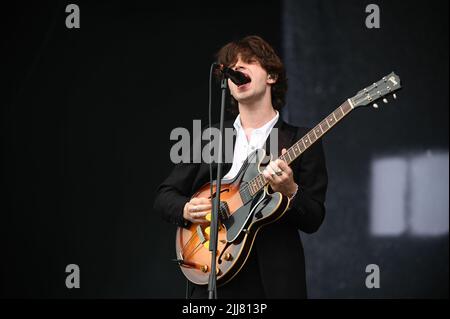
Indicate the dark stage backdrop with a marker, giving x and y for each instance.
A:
(86, 130)
(86, 121)
(387, 200)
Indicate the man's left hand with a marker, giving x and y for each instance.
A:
(280, 177)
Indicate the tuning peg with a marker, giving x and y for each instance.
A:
(385, 100)
(394, 96)
(375, 105)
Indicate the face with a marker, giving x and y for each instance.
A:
(257, 88)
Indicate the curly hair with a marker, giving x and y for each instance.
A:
(254, 47)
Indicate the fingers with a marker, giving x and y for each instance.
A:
(196, 209)
(199, 208)
(200, 200)
(270, 173)
(199, 220)
(284, 167)
(277, 172)
(273, 170)
(268, 176)
(196, 217)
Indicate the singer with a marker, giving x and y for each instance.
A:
(275, 267)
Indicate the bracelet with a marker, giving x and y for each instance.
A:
(295, 193)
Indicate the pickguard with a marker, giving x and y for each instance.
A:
(240, 218)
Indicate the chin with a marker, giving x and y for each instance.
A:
(244, 96)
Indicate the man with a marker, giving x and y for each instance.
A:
(276, 266)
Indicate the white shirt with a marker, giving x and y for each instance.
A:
(243, 147)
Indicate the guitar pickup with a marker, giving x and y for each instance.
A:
(224, 211)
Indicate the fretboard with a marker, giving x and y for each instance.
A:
(258, 182)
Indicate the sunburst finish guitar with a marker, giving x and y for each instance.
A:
(246, 203)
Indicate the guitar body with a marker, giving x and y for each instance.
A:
(237, 231)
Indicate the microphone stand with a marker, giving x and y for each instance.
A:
(212, 283)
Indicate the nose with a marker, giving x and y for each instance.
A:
(238, 67)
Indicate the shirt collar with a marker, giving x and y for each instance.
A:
(268, 126)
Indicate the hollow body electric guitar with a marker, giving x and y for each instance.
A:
(246, 203)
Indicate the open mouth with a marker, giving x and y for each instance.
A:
(246, 84)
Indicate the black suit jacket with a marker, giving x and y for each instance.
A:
(279, 251)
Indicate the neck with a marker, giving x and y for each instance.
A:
(256, 114)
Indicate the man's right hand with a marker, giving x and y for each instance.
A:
(196, 209)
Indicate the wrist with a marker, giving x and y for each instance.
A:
(294, 191)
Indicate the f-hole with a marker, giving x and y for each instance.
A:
(226, 190)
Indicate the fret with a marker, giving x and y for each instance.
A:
(263, 180)
(293, 151)
(306, 141)
(296, 149)
(304, 146)
(318, 131)
(323, 123)
(313, 138)
(346, 107)
(257, 187)
(341, 115)
(351, 102)
(288, 153)
(330, 118)
(314, 131)
(252, 186)
(260, 182)
(335, 117)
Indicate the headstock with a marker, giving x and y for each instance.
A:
(382, 89)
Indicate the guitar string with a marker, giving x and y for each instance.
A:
(187, 243)
(193, 251)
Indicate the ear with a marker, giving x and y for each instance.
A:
(272, 78)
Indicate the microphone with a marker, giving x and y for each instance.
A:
(236, 77)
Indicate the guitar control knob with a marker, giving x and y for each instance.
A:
(394, 96)
(204, 268)
(227, 257)
(385, 100)
(375, 105)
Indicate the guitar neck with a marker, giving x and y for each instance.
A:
(258, 182)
